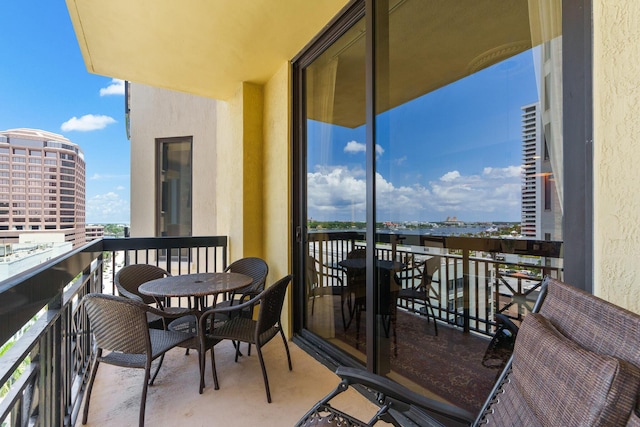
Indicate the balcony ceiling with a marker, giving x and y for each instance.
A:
(431, 44)
(208, 47)
(201, 47)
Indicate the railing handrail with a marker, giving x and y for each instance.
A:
(22, 296)
(165, 242)
(546, 248)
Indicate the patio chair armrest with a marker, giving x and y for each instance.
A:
(231, 308)
(246, 296)
(506, 323)
(125, 293)
(416, 407)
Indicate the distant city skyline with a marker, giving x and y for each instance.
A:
(44, 84)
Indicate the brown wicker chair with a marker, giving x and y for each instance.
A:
(325, 280)
(120, 328)
(357, 298)
(576, 362)
(356, 286)
(128, 280)
(415, 287)
(255, 268)
(245, 329)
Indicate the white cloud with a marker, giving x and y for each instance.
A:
(87, 122)
(119, 188)
(108, 208)
(450, 176)
(496, 190)
(115, 88)
(508, 172)
(400, 161)
(354, 147)
(339, 193)
(334, 191)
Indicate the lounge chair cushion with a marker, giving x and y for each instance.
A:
(565, 384)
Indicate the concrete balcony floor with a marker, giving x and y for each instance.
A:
(241, 400)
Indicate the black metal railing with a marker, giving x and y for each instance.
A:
(48, 347)
(477, 276)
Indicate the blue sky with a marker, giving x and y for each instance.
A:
(44, 84)
(456, 151)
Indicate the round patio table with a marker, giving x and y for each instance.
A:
(195, 285)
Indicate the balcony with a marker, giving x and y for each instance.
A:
(53, 354)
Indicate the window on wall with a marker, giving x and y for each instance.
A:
(174, 186)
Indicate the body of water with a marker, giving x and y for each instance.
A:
(442, 231)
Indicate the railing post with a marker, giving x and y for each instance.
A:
(465, 290)
(51, 368)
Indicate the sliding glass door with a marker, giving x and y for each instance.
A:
(334, 84)
(430, 155)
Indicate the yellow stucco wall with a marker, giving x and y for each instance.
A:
(253, 179)
(277, 180)
(616, 76)
(253, 175)
(239, 166)
(160, 113)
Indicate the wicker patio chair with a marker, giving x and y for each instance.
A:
(357, 301)
(120, 328)
(244, 329)
(255, 268)
(129, 278)
(415, 286)
(356, 285)
(576, 362)
(322, 280)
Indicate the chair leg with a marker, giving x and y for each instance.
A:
(344, 322)
(394, 321)
(202, 355)
(155, 374)
(351, 309)
(286, 347)
(264, 373)
(85, 412)
(433, 314)
(216, 386)
(236, 344)
(358, 313)
(143, 400)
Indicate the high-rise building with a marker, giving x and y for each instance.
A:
(541, 213)
(42, 186)
(542, 154)
(531, 155)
